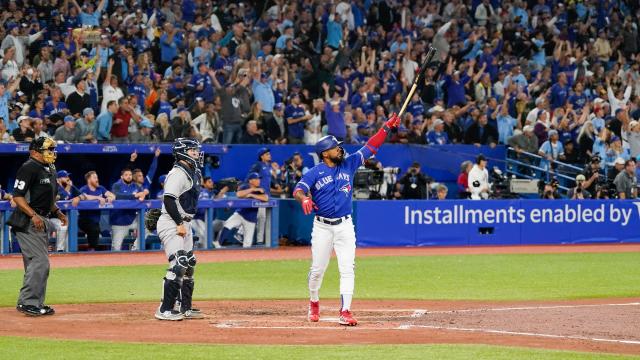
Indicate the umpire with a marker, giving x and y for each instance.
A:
(35, 192)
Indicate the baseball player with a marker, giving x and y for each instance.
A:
(125, 220)
(199, 223)
(328, 188)
(245, 218)
(66, 191)
(180, 201)
(263, 167)
(34, 192)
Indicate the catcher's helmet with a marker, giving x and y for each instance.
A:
(180, 148)
(327, 143)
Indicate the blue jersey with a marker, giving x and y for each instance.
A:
(331, 188)
(63, 194)
(296, 130)
(93, 215)
(124, 191)
(249, 214)
(264, 169)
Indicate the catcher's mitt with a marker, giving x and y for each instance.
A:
(151, 219)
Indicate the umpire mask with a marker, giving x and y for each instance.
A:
(45, 146)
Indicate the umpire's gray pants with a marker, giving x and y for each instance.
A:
(34, 245)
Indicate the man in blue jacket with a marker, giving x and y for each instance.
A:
(123, 221)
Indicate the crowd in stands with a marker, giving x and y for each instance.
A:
(544, 76)
(557, 79)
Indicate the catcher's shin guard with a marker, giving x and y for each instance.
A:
(173, 281)
(186, 294)
(186, 291)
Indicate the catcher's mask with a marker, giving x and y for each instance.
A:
(45, 146)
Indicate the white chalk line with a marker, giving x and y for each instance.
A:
(505, 332)
(549, 307)
(541, 307)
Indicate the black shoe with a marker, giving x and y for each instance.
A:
(31, 310)
(48, 310)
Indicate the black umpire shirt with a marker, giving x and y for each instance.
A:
(36, 182)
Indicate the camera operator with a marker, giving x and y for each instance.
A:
(578, 193)
(293, 170)
(413, 184)
(550, 190)
(626, 182)
(592, 175)
(479, 179)
(618, 166)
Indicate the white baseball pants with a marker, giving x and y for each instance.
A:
(236, 221)
(62, 235)
(324, 239)
(171, 241)
(119, 232)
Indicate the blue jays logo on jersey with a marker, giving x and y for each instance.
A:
(346, 189)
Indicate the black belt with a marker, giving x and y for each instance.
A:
(334, 222)
(43, 213)
(186, 218)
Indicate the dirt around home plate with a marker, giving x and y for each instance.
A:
(608, 325)
(603, 325)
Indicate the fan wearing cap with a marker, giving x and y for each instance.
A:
(79, 99)
(551, 150)
(68, 132)
(19, 42)
(328, 188)
(296, 118)
(262, 87)
(245, 217)
(24, 131)
(34, 192)
(614, 170)
(438, 136)
(632, 135)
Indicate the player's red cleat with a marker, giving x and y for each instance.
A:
(314, 311)
(347, 319)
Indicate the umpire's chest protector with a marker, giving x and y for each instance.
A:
(189, 199)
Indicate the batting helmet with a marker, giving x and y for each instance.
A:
(181, 146)
(326, 143)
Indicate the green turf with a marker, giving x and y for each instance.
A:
(479, 277)
(22, 348)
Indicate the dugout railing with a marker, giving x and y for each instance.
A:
(271, 227)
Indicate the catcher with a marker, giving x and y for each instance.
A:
(180, 200)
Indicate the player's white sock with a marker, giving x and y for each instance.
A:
(314, 295)
(346, 301)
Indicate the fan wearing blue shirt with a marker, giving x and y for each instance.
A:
(438, 136)
(201, 83)
(296, 118)
(559, 92)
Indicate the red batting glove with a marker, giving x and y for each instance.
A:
(393, 122)
(308, 205)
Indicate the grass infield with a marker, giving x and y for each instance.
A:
(25, 348)
(461, 277)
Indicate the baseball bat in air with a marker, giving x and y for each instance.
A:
(419, 77)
